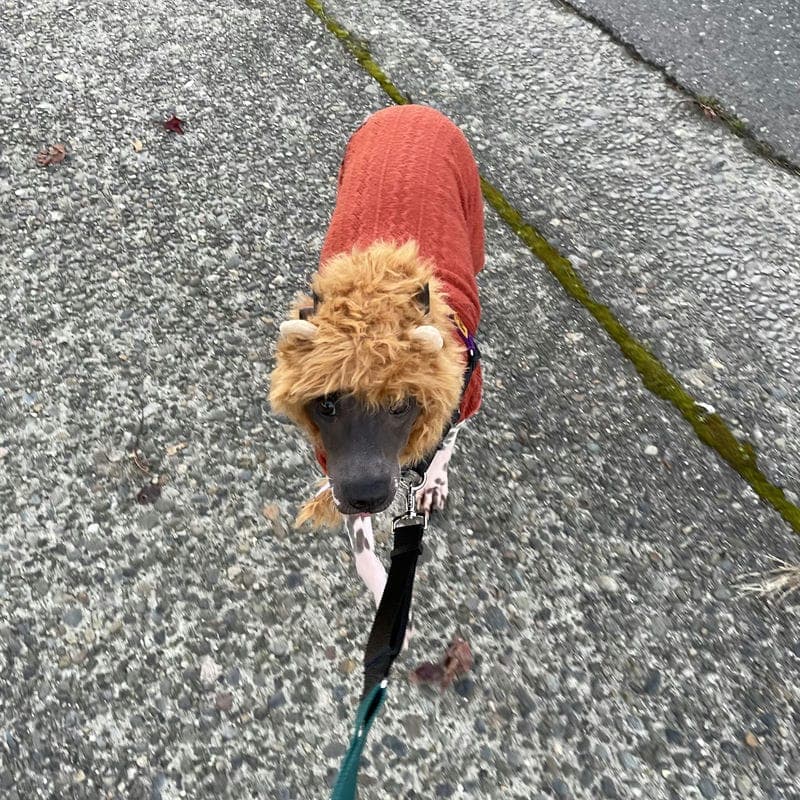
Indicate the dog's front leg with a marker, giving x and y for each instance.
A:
(368, 565)
(433, 495)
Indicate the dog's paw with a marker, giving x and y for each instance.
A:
(433, 495)
(432, 498)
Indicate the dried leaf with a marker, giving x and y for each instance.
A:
(137, 145)
(54, 154)
(174, 449)
(174, 124)
(457, 661)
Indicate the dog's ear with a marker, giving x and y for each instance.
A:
(428, 336)
(301, 328)
(423, 298)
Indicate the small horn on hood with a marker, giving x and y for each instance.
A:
(429, 336)
(310, 311)
(301, 328)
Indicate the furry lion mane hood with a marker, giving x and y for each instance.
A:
(370, 337)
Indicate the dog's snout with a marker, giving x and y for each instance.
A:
(368, 495)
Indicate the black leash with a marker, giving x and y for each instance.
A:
(386, 637)
(391, 620)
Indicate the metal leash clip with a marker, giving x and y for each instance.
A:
(411, 516)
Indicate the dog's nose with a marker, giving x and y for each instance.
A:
(368, 495)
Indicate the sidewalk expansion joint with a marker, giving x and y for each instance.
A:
(710, 428)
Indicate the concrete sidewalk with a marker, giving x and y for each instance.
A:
(195, 648)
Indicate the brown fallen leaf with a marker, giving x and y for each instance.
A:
(174, 449)
(137, 145)
(456, 662)
(751, 740)
(54, 154)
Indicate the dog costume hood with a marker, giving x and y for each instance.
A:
(409, 214)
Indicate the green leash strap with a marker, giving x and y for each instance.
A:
(347, 781)
(385, 641)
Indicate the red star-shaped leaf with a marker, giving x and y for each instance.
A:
(174, 124)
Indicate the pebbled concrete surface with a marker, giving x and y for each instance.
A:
(193, 647)
(744, 54)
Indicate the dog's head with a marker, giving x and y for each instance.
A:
(369, 368)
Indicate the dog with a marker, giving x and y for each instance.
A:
(379, 365)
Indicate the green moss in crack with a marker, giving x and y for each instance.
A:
(712, 107)
(359, 50)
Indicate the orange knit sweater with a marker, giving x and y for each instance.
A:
(408, 173)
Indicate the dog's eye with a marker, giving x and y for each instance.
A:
(401, 407)
(327, 407)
